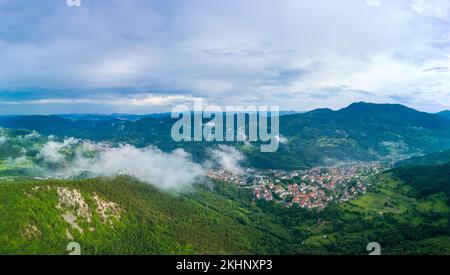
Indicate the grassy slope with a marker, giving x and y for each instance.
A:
(390, 214)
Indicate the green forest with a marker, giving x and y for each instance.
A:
(217, 218)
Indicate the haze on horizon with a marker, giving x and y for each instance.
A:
(141, 56)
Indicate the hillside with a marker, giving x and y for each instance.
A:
(120, 216)
(426, 180)
(445, 114)
(364, 131)
(427, 160)
(360, 132)
(63, 127)
(123, 216)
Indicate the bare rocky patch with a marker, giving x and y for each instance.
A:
(108, 211)
(76, 210)
(71, 219)
(31, 231)
(73, 200)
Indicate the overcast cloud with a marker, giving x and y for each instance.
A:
(146, 56)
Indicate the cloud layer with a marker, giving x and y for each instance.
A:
(143, 56)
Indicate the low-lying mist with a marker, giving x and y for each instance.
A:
(32, 154)
(226, 157)
(174, 170)
(74, 158)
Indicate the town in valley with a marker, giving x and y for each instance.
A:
(311, 189)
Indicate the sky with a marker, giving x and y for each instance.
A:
(144, 56)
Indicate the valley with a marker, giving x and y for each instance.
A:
(118, 192)
(211, 130)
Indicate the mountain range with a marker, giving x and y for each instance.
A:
(360, 132)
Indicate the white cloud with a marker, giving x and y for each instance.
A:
(434, 8)
(51, 151)
(21, 160)
(167, 171)
(140, 100)
(227, 158)
(263, 52)
(281, 139)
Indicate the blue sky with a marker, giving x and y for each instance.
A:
(143, 56)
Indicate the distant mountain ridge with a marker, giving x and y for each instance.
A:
(100, 117)
(445, 114)
(386, 113)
